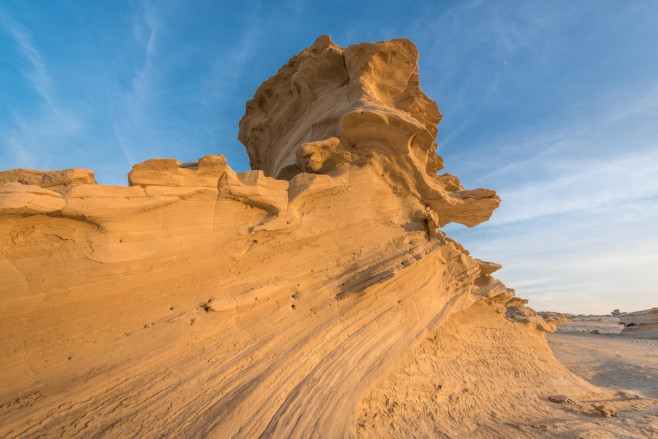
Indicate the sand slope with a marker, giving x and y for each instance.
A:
(629, 365)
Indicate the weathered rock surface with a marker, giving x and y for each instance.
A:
(640, 324)
(25, 200)
(330, 109)
(168, 172)
(48, 178)
(325, 302)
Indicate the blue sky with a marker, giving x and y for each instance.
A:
(552, 103)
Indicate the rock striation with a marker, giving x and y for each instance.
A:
(48, 179)
(640, 324)
(312, 296)
(331, 109)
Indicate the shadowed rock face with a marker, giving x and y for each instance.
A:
(330, 109)
(200, 302)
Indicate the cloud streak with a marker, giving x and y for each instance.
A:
(577, 230)
(50, 120)
(37, 75)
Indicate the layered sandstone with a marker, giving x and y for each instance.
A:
(48, 179)
(331, 109)
(312, 296)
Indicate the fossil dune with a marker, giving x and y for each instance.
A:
(314, 296)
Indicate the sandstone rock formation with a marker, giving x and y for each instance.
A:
(554, 317)
(312, 296)
(640, 324)
(331, 109)
(48, 179)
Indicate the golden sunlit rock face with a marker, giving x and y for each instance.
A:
(312, 296)
(331, 110)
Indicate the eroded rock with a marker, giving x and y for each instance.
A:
(358, 106)
(168, 172)
(48, 179)
(25, 199)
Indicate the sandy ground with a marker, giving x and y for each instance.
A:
(609, 360)
(600, 324)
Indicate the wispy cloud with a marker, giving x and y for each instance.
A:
(577, 230)
(37, 74)
(583, 185)
(226, 68)
(131, 124)
(589, 261)
(149, 121)
(593, 161)
(145, 31)
(52, 121)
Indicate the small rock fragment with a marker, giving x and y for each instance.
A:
(559, 399)
(605, 411)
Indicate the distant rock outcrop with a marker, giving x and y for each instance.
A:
(314, 296)
(554, 317)
(640, 324)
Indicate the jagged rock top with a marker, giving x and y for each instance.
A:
(330, 108)
(48, 178)
(322, 84)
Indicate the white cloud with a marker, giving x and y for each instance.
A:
(582, 185)
(37, 75)
(47, 123)
(577, 230)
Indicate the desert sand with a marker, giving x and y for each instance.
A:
(314, 296)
